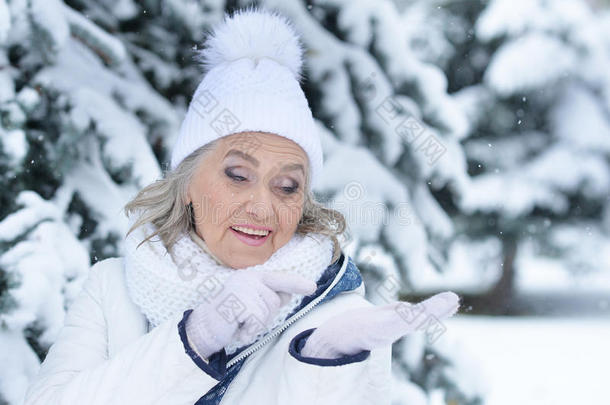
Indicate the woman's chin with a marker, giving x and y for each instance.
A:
(242, 258)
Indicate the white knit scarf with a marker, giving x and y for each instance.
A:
(163, 283)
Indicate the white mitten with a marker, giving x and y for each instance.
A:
(368, 328)
(212, 324)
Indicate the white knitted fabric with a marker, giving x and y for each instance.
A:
(163, 283)
(254, 62)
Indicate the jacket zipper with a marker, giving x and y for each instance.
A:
(290, 321)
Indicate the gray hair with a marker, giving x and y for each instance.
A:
(163, 203)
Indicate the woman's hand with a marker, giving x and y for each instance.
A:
(368, 328)
(246, 300)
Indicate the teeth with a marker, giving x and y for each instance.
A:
(250, 231)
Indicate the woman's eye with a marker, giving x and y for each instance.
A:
(234, 176)
(289, 189)
(285, 185)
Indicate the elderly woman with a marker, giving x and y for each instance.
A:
(233, 288)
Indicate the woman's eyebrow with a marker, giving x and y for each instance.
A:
(292, 166)
(286, 168)
(243, 155)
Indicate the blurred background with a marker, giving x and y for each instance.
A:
(467, 143)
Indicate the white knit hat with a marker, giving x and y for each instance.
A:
(253, 61)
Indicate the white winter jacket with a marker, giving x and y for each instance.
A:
(104, 354)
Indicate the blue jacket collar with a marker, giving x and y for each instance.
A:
(350, 280)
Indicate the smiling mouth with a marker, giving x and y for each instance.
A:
(250, 231)
(252, 237)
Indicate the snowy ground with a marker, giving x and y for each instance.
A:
(542, 361)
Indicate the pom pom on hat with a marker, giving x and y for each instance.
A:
(253, 33)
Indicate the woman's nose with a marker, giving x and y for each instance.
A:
(259, 204)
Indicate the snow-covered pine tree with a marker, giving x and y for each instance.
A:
(77, 122)
(98, 89)
(532, 82)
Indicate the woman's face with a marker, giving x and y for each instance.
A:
(253, 181)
